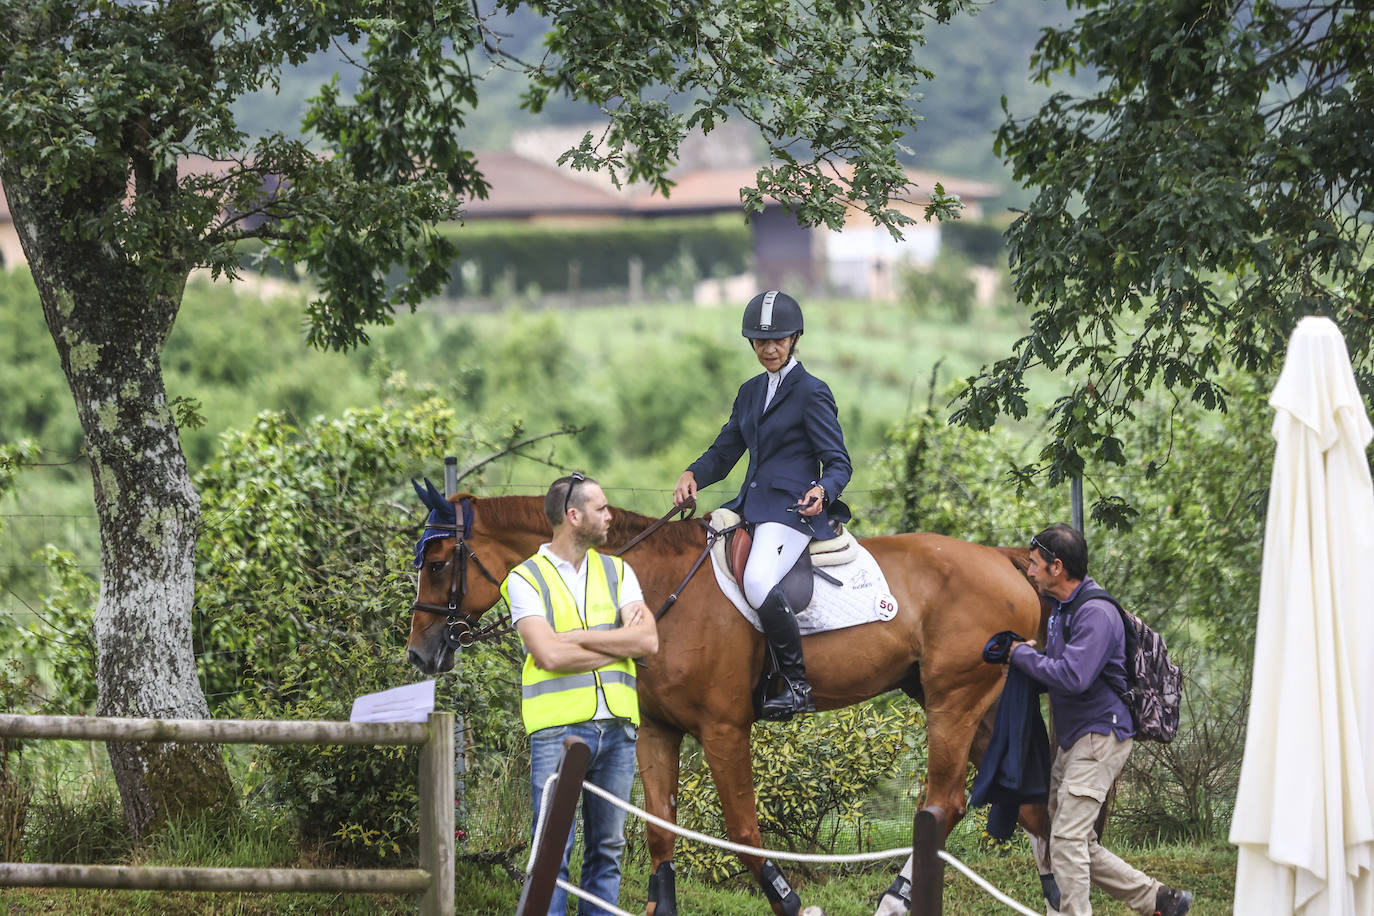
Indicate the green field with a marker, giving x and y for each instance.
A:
(648, 386)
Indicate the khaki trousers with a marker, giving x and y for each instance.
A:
(1079, 781)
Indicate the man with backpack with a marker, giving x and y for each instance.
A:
(1083, 668)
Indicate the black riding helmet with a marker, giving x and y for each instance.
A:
(771, 316)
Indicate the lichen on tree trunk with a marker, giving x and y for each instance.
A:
(110, 317)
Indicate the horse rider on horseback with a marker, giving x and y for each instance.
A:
(787, 421)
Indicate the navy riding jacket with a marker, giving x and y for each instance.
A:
(1015, 768)
(793, 445)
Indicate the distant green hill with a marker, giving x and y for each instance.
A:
(977, 59)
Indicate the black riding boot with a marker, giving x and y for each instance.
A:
(781, 631)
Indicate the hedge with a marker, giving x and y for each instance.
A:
(539, 255)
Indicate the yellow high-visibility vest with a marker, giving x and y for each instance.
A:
(549, 698)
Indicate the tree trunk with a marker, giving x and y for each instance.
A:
(110, 319)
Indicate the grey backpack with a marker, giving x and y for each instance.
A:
(1154, 685)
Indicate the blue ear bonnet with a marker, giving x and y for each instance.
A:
(441, 512)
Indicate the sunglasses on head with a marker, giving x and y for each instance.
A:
(573, 480)
(1036, 545)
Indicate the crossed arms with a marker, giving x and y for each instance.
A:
(584, 650)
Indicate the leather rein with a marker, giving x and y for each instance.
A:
(461, 633)
(686, 510)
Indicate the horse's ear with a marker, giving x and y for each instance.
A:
(431, 497)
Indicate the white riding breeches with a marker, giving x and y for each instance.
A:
(775, 551)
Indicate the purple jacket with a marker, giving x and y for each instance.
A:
(1084, 675)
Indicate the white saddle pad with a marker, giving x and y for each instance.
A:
(863, 596)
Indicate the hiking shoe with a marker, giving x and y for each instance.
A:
(1169, 902)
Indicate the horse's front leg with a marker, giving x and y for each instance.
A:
(726, 746)
(658, 749)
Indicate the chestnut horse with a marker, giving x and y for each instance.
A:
(951, 596)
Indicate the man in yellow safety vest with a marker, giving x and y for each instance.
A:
(583, 621)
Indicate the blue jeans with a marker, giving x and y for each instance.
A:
(612, 767)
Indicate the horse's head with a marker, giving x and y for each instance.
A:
(460, 570)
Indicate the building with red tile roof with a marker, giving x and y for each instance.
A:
(529, 186)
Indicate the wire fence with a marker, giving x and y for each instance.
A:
(495, 814)
(494, 769)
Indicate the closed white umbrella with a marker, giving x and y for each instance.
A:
(1303, 821)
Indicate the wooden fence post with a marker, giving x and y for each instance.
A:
(562, 808)
(436, 815)
(927, 868)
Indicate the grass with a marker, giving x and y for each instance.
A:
(250, 837)
(1208, 871)
(255, 836)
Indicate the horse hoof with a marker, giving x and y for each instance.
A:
(891, 905)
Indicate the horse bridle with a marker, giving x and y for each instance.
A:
(459, 631)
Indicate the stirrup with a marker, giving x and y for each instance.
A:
(794, 699)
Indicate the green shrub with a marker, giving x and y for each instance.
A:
(304, 545)
(952, 480)
(302, 588)
(16, 694)
(945, 288)
(61, 636)
(814, 778)
(361, 801)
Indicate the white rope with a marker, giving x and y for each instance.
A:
(539, 822)
(592, 898)
(981, 882)
(739, 847)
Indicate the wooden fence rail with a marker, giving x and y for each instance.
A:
(434, 738)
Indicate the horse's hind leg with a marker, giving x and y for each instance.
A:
(657, 753)
(953, 719)
(726, 746)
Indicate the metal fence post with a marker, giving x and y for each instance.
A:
(562, 807)
(436, 815)
(460, 729)
(927, 868)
